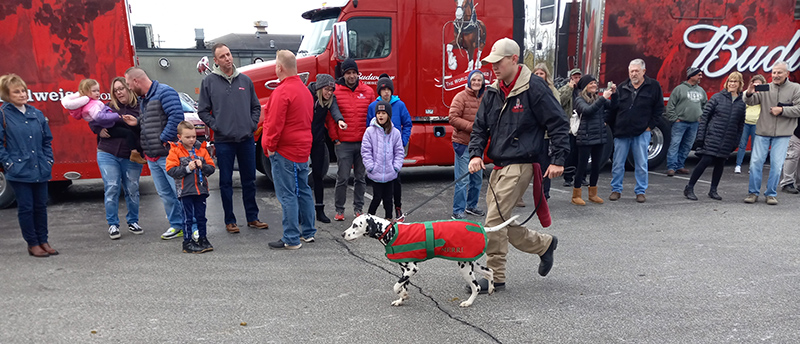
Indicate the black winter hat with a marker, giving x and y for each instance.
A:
(384, 81)
(584, 81)
(349, 64)
(324, 80)
(384, 106)
(692, 71)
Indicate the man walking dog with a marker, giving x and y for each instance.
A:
(515, 113)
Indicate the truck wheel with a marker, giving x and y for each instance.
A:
(659, 144)
(7, 197)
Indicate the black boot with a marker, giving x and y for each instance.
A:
(713, 194)
(321, 214)
(688, 191)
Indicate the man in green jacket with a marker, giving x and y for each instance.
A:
(684, 109)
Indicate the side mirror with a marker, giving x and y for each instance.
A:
(341, 49)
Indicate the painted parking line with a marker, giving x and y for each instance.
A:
(678, 177)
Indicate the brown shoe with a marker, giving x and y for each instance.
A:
(232, 228)
(49, 249)
(640, 198)
(521, 203)
(670, 173)
(257, 224)
(614, 196)
(37, 251)
(137, 158)
(682, 171)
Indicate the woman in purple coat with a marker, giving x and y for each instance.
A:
(382, 153)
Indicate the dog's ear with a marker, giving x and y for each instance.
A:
(372, 228)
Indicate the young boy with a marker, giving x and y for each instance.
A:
(190, 164)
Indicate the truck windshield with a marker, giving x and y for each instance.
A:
(315, 42)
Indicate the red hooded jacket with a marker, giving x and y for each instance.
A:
(354, 105)
(287, 123)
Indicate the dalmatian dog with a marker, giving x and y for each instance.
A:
(409, 243)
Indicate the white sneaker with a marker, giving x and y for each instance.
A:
(113, 232)
(172, 233)
(737, 170)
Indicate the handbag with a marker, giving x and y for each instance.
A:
(574, 123)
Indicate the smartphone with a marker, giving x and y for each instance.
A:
(762, 88)
(610, 83)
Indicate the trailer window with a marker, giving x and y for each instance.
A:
(369, 38)
(547, 11)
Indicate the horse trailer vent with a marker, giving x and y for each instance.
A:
(797, 10)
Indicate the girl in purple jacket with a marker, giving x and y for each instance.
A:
(382, 153)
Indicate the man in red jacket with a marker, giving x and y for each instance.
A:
(353, 98)
(287, 140)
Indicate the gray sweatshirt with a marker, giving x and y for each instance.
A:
(686, 103)
(229, 106)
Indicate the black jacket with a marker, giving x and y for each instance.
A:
(516, 125)
(318, 130)
(721, 125)
(592, 130)
(638, 109)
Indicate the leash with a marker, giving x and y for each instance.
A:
(535, 208)
(432, 197)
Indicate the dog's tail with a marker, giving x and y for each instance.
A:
(502, 225)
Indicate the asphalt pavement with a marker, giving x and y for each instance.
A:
(669, 270)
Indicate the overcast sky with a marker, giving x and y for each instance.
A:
(175, 20)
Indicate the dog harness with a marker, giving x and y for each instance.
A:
(459, 240)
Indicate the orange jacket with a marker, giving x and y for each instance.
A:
(189, 183)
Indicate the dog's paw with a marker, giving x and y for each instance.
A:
(466, 304)
(490, 291)
(397, 302)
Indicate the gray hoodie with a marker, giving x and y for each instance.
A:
(686, 103)
(229, 106)
(786, 94)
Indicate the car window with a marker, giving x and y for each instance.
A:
(186, 106)
(369, 38)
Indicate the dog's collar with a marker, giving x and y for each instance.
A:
(386, 231)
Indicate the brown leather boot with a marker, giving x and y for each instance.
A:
(37, 251)
(51, 251)
(576, 197)
(137, 158)
(593, 195)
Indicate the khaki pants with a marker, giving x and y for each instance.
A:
(509, 183)
(790, 164)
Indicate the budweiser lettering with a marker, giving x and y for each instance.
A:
(748, 60)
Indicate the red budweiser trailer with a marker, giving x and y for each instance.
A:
(429, 47)
(53, 45)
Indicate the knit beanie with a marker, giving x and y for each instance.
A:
(349, 64)
(384, 106)
(384, 81)
(469, 81)
(585, 80)
(692, 71)
(324, 80)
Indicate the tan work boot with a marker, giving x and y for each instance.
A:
(576, 197)
(593, 195)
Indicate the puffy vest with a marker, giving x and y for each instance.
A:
(459, 240)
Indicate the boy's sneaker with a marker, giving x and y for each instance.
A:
(135, 229)
(113, 232)
(459, 216)
(205, 246)
(475, 211)
(358, 213)
(309, 239)
(281, 245)
(191, 247)
(737, 170)
(339, 216)
(398, 212)
(172, 233)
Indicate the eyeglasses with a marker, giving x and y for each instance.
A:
(121, 89)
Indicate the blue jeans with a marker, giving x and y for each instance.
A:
(464, 197)
(749, 131)
(683, 135)
(776, 147)
(119, 174)
(638, 146)
(291, 188)
(245, 153)
(165, 186)
(31, 211)
(194, 211)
